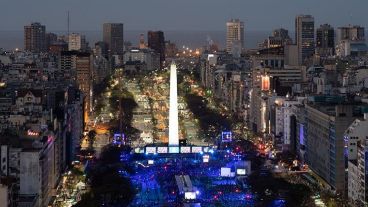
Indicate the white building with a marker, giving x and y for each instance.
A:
(287, 111)
(37, 176)
(356, 132)
(353, 178)
(234, 36)
(77, 42)
(356, 147)
(283, 112)
(279, 116)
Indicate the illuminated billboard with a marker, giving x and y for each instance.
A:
(161, 149)
(196, 149)
(206, 158)
(150, 150)
(241, 171)
(190, 195)
(265, 83)
(226, 136)
(225, 172)
(184, 149)
(118, 138)
(174, 150)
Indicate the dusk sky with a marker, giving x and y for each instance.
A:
(178, 14)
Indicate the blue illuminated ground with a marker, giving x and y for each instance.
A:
(156, 186)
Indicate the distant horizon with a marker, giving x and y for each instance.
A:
(183, 30)
(14, 39)
(11, 39)
(139, 30)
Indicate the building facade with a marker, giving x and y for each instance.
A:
(79, 67)
(77, 42)
(156, 41)
(304, 37)
(325, 40)
(35, 37)
(325, 151)
(353, 33)
(234, 36)
(113, 36)
(356, 147)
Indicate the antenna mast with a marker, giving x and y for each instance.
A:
(68, 24)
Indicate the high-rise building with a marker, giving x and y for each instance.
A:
(234, 36)
(77, 42)
(325, 43)
(352, 33)
(113, 36)
(156, 41)
(35, 37)
(351, 41)
(77, 65)
(304, 37)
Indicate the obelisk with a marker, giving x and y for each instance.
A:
(173, 108)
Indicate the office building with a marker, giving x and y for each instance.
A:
(234, 36)
(304, 37)
(325, 42)
(280, 38)
(352, 33)
(156, 41)
(141, 59)
(35, 37)
(77, 42)
(351, 41)
(78, 66)
(356, 146)
(113, 36)
(326, 122)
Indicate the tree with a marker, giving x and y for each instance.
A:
(109, 187)
(112, 188)
(91, 138)
(87, 200)
(211, 121)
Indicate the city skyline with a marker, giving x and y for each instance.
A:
(154, 15)
(183, 103)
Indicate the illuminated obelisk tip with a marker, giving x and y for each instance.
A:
(173, 113)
